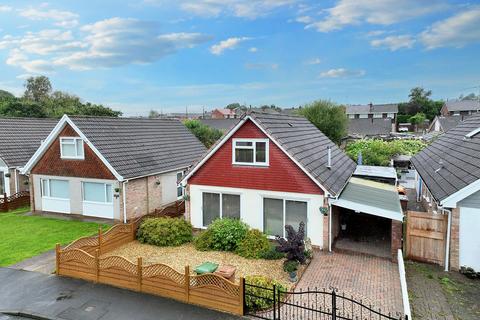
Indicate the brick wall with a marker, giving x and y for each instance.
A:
(455, 240)
(396, 239)
(51, 163)
(143, 196)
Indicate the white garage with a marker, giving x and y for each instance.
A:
(470, 237)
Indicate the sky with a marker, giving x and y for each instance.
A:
(173, 56)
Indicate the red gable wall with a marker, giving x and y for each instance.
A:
(51, 163)
(282, 174)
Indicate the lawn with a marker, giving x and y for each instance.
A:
(22, 236)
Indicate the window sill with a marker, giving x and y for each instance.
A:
(72, 158)
(257, 165)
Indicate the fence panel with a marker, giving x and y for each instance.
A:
(76, 263)
(425, 237)
(15, 201)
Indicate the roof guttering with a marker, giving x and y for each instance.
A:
(53, 135)
(231, 132)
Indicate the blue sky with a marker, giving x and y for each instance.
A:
(169, 55)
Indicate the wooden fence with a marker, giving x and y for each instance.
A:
(425, 237)
(15, 201)
(82, 259)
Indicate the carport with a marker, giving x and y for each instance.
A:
(367, 218)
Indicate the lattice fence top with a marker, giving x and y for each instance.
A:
(164, 271)
(118, 262)
(116, 230)
(212, 280)
(83, 242)
(79, 256)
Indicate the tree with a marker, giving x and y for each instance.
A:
(21, 108)
(420, 102)
(207, 135)
(5, 95)
(37, 88)
(470, 96)
(328, 117)
(418, 120)
(153, 114)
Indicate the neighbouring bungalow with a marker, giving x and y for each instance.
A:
(273, 170)
(19, 139)
(224, 114)
(442, 124)
(113, 168)
(460, 108)
(449, 183)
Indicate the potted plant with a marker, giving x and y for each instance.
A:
(291, 266)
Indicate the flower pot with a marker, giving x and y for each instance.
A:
(293, 276)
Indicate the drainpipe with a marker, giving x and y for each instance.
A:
(447, 244)
(329, 228)
(124, 189)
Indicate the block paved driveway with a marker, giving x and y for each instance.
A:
(374, 281)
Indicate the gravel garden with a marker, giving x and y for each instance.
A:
(226, 242)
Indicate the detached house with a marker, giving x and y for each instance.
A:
(269, 170)
(113, 168)
(460, 108)
(19, 139)
(449, 183)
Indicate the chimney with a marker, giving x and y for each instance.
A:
(370, 107)
(329, 155)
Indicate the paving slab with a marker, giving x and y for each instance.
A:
(44, 263)
(64, 298)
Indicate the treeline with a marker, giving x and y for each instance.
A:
(40, 101)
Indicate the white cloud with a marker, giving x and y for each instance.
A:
(341, 73)
(394, 42)
(5, 8)
(259, 66)
(107, 43)
(313, 61)
(380, 12)
(457, 31)
(62, 18)
(304, 19)
(230, 43)
(253, 50)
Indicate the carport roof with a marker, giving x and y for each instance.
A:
(376, 198)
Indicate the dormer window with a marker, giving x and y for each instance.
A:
(250, 152)
(71, 148)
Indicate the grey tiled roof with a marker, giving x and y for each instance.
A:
(220, 124)
(376, 108)
(369, 127)
(21, 137)
(457, 158)
(462, 105)
(450, 122)
(141, 146)
(308, 145)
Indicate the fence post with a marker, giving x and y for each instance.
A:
(187, 283)
(274, 302)
(97, 266)
(334, 305)
(241, 300)
(140, 272)
(57, 259)
(132, 226)
(5, 202)
(100, 233)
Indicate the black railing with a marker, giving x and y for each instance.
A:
(275, 304)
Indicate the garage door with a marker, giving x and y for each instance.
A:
(97, 200)
(470, 237)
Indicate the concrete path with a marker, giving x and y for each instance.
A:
(44, 263)
(55, 297)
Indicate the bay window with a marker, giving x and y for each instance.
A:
(71, 148)
(219, 205)
(277, 213)
(250, 152)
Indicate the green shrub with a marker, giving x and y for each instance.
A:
(290, 266)
(165, 231)
(227, 234)
(253, 244)
(204, 241)
(258, 298)
(308, 254)
(272, 254)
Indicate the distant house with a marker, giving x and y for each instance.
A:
(449, 171)
(444, 123)
(113, 168)
(220, 124)
(19, 139)
(460, 107)
(372, 111)
(369, 127)
(224, 114)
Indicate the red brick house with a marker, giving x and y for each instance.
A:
(113, 168)
(271, 170)
(223, 114)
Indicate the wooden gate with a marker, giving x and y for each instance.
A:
(425, 236)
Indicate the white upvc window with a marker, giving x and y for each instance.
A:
(97, 192)
(180, 189)
(250, 152)
(56, 189)
(219, 205)
(71, 148)
(278, 212)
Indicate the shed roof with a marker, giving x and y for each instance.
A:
(375, 171)
(376, 198)
(21, 137)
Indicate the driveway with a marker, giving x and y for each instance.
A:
(55, 297)
(372, 280)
